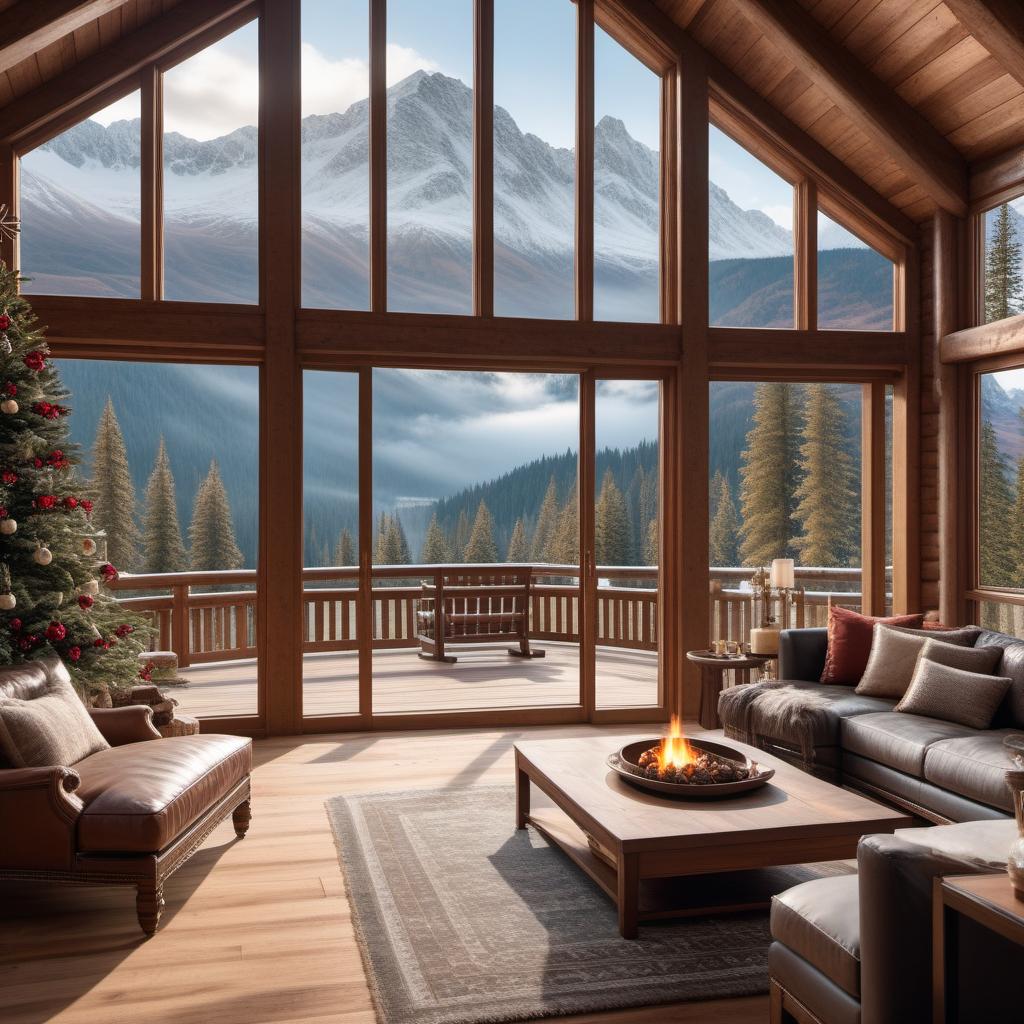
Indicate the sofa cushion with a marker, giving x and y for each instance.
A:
(1011, 711)
(973, 766)
(820, 921)
(48, 725)
(940, 691)
(899, 741)
(969, 659)
(849, 643)
(140, 797)
(799, 714)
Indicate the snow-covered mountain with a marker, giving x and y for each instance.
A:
(80, 204)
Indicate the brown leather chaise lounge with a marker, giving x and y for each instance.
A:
(128, 815)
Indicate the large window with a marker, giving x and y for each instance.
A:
(785, 482)
(855, 283)
(430, 156)
(172, 461)
(750, 239)
(627, 176)
(211, 173)
(1003, 265)
(534, 158)
(336, 153)
(80, 207)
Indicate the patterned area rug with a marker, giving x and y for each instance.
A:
(462, 919)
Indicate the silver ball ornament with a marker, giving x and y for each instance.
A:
(89, 546)
(42, 556)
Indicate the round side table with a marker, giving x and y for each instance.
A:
(712, 679)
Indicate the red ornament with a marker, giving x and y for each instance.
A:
(35, 360)
(45, 502)
(3, 511)
(71, 503)
(10, 389)
(5, 321)
(108, 572)
(87, 505)
(85, 602)
(55, 631)
(147, 672)
(37, 462)
(100, 642)
(9, 476)
(74, 653)
(124, 629)
(49, 411)
(25, 643)
(15, 625)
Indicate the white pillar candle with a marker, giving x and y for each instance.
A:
(783, 574)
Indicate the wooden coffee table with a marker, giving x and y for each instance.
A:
(622, 836)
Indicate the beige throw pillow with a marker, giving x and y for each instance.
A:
(971, 659)
(967, 698)
(964, 636)
(51, 729)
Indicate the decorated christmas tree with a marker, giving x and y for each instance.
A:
(52, 556)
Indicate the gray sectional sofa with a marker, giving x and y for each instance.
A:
(935, 769)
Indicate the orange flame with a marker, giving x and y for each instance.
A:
(675, 752)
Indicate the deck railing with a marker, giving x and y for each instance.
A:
(211, 616)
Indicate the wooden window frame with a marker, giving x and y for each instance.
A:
(282, 338)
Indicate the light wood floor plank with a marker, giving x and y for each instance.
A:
(257, 931)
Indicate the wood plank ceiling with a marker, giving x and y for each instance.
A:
(917, 48)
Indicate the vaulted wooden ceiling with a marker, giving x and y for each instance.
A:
(908, 93)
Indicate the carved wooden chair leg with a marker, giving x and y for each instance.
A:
(240, 817)
(149, 904)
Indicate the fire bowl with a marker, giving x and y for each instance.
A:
(626, 764)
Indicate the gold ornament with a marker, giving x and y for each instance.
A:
(8, 526)
(7, 602)
(9, 406)
(88, 545)
(42, 556)
(92, 588)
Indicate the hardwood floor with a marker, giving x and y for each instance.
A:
(256, 931)
(482, 678)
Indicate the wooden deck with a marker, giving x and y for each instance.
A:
(482, 678)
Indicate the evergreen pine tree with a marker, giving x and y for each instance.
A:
(651, 545)
(481, 546)
(518, 548)
(611, 525)
(58, 607)
(388, 547)
(1004, 284)
(1016, 528)
(163, 549)
(565, 544)
(461, 538)
(996, 501)
(400, 542)
(768, 475)
(113, 492)
(344, 550)
(725, 526)
(827, 498)
(436, 549)
(547, 525)
(212, 531)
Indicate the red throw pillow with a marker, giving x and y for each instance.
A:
(849, 643)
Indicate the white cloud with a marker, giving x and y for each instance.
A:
(217, 91)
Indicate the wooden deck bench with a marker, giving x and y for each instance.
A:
(475, 607)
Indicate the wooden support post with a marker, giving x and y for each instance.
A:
(872, 419)
(279, 601)
(180, 624)
(10, 196)
(364, 606)
(805, 256)
(483, 157)
(946, 319)
(691, 601)
(585, 160)
(588, 563)
(152, 173)
(378, 157)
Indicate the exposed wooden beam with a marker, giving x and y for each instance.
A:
(997, 178)
(884, 117)
(760, 349)
(999, 26)
(584, 160)
(731, 96)
(30, 25)
(114, 64)
(483, 157)
(987, 341)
